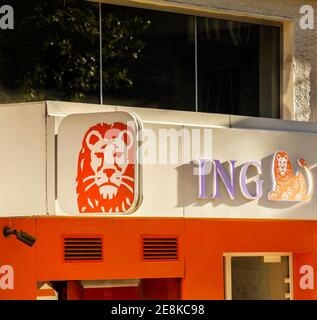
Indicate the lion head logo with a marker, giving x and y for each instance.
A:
(105, 171)
(282, 166)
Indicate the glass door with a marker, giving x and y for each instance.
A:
(258, 276)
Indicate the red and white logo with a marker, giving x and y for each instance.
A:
(106, 169)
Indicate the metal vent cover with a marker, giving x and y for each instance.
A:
(83, 249)
(160, 248)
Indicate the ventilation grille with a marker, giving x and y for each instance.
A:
(160, 248)
(83, 249)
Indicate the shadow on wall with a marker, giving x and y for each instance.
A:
(188, 188)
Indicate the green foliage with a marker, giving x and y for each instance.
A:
(122, 43)
(53, 53)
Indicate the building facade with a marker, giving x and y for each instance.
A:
(173, 157)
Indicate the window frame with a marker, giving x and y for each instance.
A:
(228, 271)
(287, 31)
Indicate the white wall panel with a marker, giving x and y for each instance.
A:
(23, 160)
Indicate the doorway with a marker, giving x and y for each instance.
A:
(258, 276)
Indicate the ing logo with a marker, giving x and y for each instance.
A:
(107, 169)
(288, 186)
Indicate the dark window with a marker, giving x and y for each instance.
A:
(155, 57)
(148, 58)
(52, 52)
(238, 68)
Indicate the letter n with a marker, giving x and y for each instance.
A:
(229, 182)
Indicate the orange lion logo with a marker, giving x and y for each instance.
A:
(105, 171)
(287, 185)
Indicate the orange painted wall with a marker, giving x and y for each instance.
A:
(206, 242)
(301, 259)
(21, 258)
(202, 245)
(122, 248)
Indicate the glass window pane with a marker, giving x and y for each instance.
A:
(238, 68)
(52, 53)
(254, 279)
(148, 58)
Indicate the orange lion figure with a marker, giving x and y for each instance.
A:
(105, 170)
(288, 186)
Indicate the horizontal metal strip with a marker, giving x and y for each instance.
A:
(160, 240)
(160, 246)
(82, 254)
(160, 255)
(82, 251)
(159, 243)
(161, 258)
(83, 247)
(161, 252)
(149, 238)
(82, 239)
(83, 243)
(85, 254)
(156, 241)
(160, 249)
(83, 259)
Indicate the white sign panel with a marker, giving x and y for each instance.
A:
(188, 171)
(98, 168)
